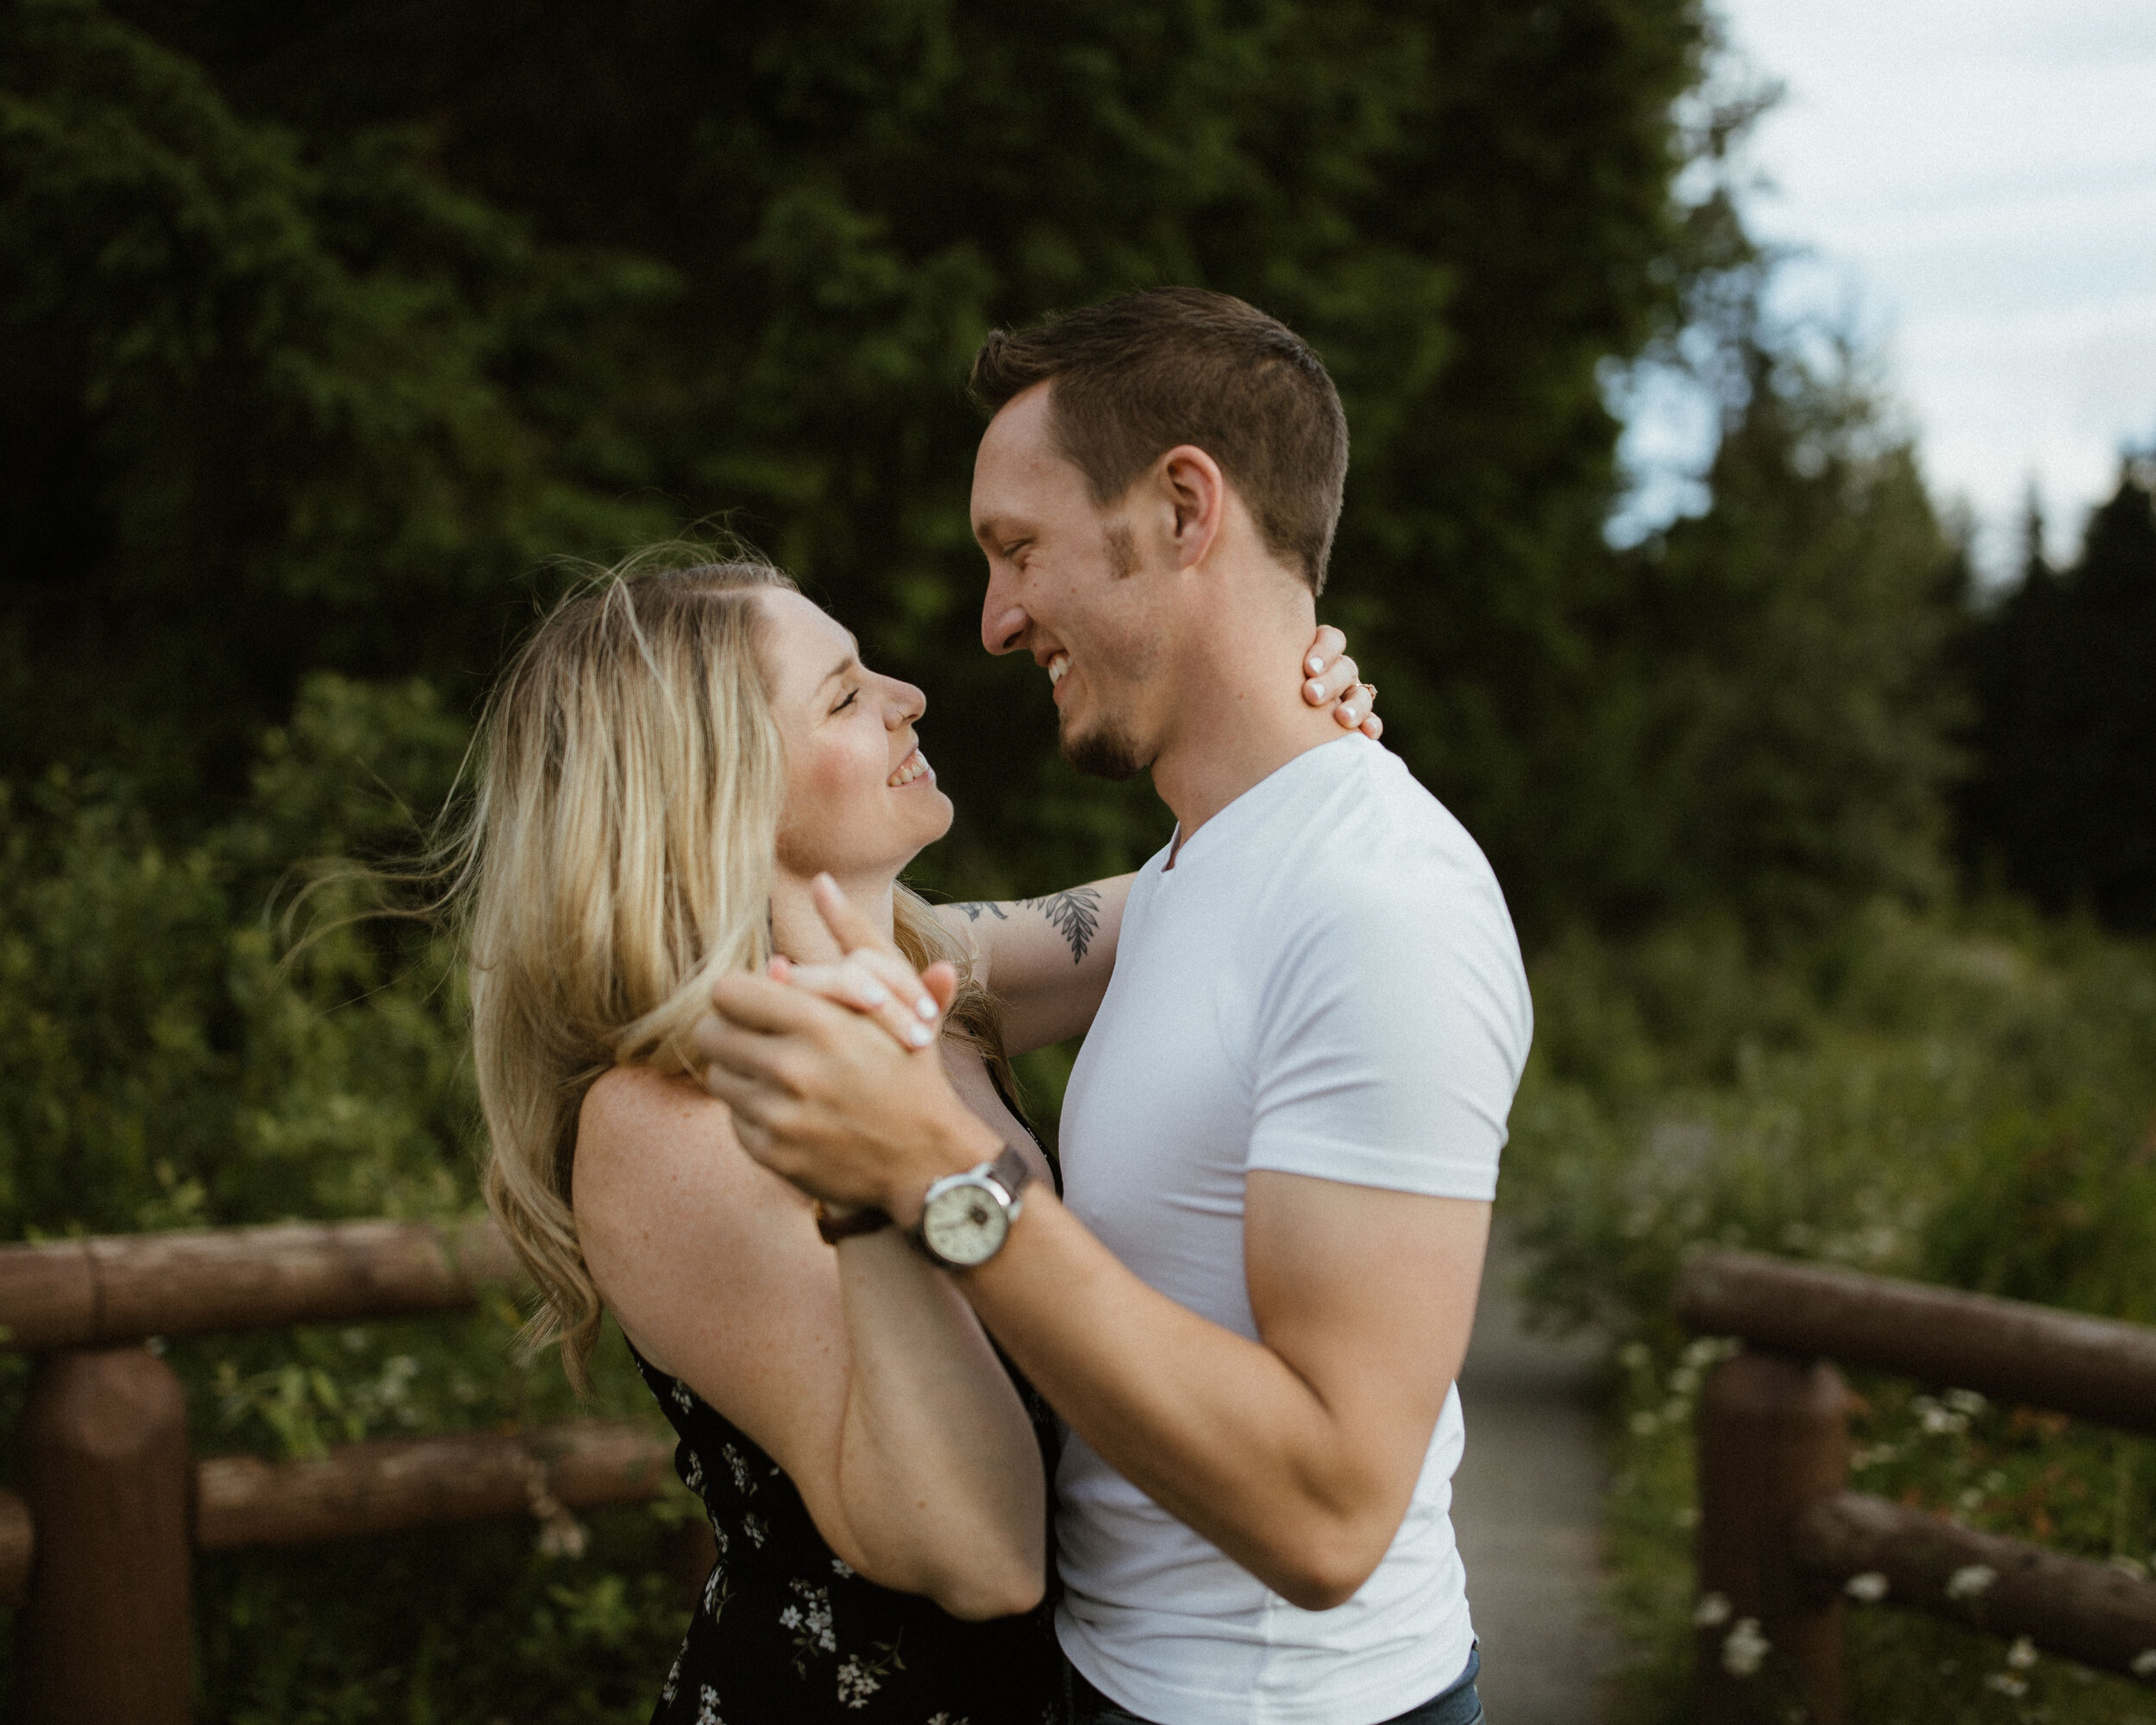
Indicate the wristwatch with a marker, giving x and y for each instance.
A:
(966, 1217)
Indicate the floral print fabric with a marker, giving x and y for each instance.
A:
(784, 1633)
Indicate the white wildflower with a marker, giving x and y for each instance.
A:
(2023, 1654)
(2005, 1684)
(1965, 1401)
(1745, 1647)
(2144, 1663)
(1869, 1588)
(1712, 1608)
(841, 1567)
(1970, 1581)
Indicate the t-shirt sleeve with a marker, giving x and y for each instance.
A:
(1391, 1034)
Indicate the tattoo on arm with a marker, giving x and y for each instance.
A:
(1074, 913)
(974, 908)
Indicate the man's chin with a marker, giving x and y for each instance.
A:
(1103, 753)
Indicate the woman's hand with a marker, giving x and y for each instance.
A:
(1331, 680)
(873, 978)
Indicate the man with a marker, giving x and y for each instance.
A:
(1281, 1140)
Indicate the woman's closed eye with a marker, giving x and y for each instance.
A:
(851, 696)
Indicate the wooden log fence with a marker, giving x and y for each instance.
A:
(1782, 1541)
(96, 1545)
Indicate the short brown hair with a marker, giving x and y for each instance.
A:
(1136, 375)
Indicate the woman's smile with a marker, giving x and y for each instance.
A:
(911, 770)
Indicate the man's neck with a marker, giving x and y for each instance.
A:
(1239, 720)
(799, 932)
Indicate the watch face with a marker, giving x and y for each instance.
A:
(965, 1223)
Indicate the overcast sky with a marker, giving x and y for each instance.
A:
(1978, 181)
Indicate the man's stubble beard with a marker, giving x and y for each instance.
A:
(1104, 752)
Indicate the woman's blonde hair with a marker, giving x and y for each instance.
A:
(618, 856)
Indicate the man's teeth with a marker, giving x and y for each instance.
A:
(1056, 667)
(911, 769)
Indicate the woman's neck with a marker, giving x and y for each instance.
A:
(799, 933)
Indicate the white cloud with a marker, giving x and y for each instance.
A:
(1978, 178)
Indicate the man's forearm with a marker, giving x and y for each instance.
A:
(1216, 1428)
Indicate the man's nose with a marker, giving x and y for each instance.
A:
(1003, 619)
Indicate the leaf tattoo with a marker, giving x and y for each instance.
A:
(973, 908)
(1075, 913)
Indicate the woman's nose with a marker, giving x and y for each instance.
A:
(907, 704)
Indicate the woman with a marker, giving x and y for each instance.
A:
(667, 764)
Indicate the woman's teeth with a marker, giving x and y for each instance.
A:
(1056, 667)
(911, 769)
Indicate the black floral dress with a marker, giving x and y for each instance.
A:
(785, 1634)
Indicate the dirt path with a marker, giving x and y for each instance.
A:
(1527, 1506)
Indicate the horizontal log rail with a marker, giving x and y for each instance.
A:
(363, 1490)
(1780, 1536)
(100, 1292)
(2094, 1367)
(2093, 1612)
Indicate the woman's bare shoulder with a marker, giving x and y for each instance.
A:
(649, 1145)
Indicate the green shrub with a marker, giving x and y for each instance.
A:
(162, 1066)
(1970, 1102)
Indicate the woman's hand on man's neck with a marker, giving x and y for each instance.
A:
(800, 933)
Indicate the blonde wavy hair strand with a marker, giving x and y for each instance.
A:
(615, 856)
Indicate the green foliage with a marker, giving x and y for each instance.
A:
(275, 403)
(2063, 803)
(1970, 1102)
(440, 309)
(329, 329)
(161, 1066)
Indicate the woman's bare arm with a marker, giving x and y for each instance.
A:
(860, 1370)
(1046, 960)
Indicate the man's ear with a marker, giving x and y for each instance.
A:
(1195, 493)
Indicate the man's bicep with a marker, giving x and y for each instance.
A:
(1369, 1296)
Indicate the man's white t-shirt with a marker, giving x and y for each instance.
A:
(1325, 983)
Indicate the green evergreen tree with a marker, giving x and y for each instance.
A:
(2062, 801)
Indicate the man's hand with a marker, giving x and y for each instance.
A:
(827, 1099)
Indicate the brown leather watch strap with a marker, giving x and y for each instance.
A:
(836, 1228)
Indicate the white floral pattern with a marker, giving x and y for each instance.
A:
(786, 1629)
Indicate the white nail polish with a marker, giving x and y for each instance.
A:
(1316, 664)
(920, 1035)
(874, 993)
(927, 1008)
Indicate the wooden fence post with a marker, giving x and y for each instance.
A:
(1773, 1437)
(102, 1460)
